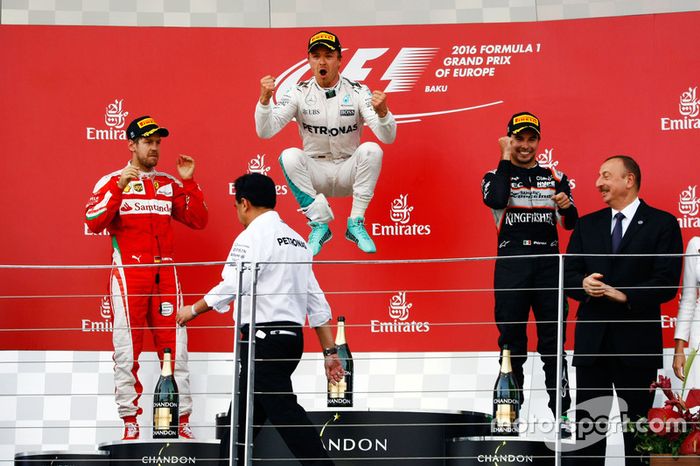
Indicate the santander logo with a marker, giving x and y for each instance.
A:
(404, 70)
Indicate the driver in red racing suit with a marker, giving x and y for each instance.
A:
(136, 205)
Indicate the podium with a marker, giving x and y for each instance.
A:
(354, 438)
(503, 451)
(366, 438)
(61, 458)
(162, 451)
(129, 453)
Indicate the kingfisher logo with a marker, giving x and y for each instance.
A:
(99, 326)
(689, 207)
(257, 165)
(115, 119)
(400, 215)
(407, 66)
(399, 312)
(546, 160)
(688, 108)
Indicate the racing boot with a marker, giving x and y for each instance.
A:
(320, 234)
(131, 429)
(357, 234)
(184, 430)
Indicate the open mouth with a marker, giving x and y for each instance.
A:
(322, 72)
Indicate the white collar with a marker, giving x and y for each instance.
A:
(628, 211)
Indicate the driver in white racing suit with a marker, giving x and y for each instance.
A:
(330, 111)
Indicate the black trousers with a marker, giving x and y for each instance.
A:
(594, 396)
(527, 279)
(278, 349)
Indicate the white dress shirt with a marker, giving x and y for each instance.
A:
(285, 292)
(628, 212)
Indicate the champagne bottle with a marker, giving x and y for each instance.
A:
(506, 399)
(166, 403)
(340, 394)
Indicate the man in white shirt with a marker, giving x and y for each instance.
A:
(330, 111)
(288, 295)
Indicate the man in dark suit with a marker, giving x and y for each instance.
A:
(618, 345)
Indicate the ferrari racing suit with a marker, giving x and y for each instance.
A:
(139, 221)
(526, 219)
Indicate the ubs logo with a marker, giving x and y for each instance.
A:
(400, 214)
(688, 108)
(689, 206)
(114, 118)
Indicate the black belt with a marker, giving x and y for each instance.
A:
(280, 324)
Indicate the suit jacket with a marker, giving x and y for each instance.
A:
(631, 330)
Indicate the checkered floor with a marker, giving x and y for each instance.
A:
(63, 400)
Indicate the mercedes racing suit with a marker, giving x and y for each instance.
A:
(139, 221)
(526, 219)
(333, 161)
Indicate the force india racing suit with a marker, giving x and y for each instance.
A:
(139, 221)
(333, 161)
(526, 218)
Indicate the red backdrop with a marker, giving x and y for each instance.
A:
(601, 87)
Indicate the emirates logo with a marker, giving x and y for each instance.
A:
(398, 321)
(546, 160)
(688, 108)
(115, 116)
(689, 207)
(400, 216)
(257, 165)
(114, 119)
(689, 204)
(689, 105)
(398, 307)
(400, 210)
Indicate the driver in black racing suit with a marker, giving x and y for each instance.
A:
(527, 201)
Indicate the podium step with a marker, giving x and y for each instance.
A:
(175, 451)
(504, 451)
(61, 458)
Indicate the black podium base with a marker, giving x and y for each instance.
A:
(362, 438)
(501, 451)
(176, 451)
(61, 458)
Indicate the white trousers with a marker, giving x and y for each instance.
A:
(357, 175)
